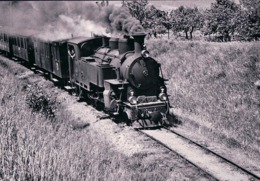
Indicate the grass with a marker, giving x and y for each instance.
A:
(212, 80)
(216, 82)
(36, 144)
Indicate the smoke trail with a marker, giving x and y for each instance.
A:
(52, 20)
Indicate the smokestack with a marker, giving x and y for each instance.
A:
(125, 45)
(105, 41)
(138, 42)
(113, 43)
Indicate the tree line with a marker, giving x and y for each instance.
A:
(225, 20)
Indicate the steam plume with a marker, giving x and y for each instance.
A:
(54, 20)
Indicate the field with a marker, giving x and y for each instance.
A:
(36, 145)
(214, 82)
(47, 135)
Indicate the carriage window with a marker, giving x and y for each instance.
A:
(53, 52)
(22, 43)
(46, 49)
(18, 42)
(57, 53)
(42, 49)
(35, 45)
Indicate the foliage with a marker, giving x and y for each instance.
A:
(221, 19)
(138, 10)
(152, 19)
(156, 20)
(248, 20)
(38, 101)
(187, 20)
(226, 18)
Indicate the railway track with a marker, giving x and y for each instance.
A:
(212, 163)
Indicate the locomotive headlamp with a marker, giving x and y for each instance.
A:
(131, 93)
(162, 95)
(132, 99)
(162, 89)
(145, 53)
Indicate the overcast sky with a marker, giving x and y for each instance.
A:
(173, 4)
(176, 3)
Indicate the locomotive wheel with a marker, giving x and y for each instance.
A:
(124, 118)
(79, 93)
(50, 76)
(97, 104)
(88, 99)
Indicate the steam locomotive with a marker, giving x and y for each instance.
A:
(114, 74)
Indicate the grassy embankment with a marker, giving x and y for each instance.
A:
(36, 145)
(216, 82)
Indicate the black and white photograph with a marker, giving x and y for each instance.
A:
(130, 90)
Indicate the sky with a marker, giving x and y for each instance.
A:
(174, 4)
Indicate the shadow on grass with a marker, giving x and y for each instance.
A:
(173, 121)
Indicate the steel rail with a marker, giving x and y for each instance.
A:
(251, 174)
(214, 153)
(160, 142)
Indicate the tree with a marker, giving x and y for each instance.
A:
(157, 21)
(167, 22)
(187, 20)
(248, 20)
(152, 19)
(221, 19)
(137, 9)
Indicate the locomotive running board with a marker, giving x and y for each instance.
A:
(69, 87)
(39, 71)
(55, 80)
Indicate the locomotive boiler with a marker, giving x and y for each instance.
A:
(120, 75)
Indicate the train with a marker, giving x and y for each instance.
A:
(117, 75)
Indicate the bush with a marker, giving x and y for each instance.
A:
(40, 102)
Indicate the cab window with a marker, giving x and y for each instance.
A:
(71, 51)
